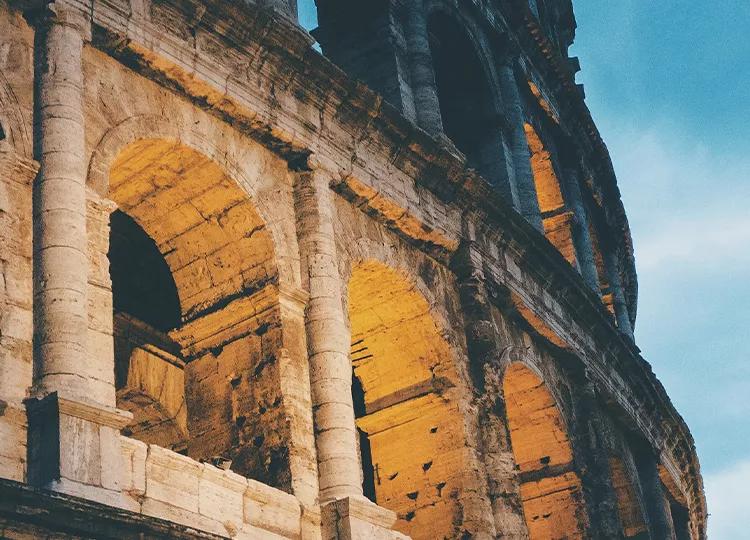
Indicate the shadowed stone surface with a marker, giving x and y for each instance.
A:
(244, 294)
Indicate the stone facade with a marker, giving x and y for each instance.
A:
(244, 294)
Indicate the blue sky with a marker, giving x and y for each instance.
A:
(668, 83)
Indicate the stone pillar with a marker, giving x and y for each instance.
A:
(593, 463)
(654, 499)
(346, 512)
(485, 361)
(528, 204)
(73, 435)
(580, 225)
(612, 267)
(328, 340)
(423, 83)
(59, 213)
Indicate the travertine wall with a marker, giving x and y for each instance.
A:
(313, 235)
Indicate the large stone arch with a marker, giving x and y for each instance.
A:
(195, 136)
(214, 380)
(408, 411)
(629, 500)
(550, 486)
(478, 39)
(468, 92)
(556, 215)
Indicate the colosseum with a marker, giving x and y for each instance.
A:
(376, 282)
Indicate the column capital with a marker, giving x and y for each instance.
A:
(41, 14)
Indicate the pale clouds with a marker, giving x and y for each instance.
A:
(689, 207)
(728, 492)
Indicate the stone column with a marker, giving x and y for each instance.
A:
(424, 87)
(580, 225)
(346, 512)
(528, 204)
(328, 340)
(655, 502)
(59, 212)
(593, 463)
(73, 439)
(612, 267)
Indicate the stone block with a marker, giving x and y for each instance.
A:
(12, 442)
(221, 496)
(172, 478)
(134, 453)
(272, 510)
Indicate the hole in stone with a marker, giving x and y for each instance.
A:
(409, 516)
(544, 460)
(393, 476)
(426, 466)
(440, 487)
(258, 441)
(413, 495)
(235, 382)
(240, 421)
(2, 132)
(434, 430)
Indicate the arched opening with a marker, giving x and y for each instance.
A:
(604, 285)
(551, 491)
(629, 505)
(470, 117)
(197, 319)
(404, 381)
(556, 216)
(146, 308)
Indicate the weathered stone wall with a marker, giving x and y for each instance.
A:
(315, 235)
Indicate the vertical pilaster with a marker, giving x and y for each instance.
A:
(657, 507)
(612, 266)
(593, 464)
(528, 203)
(580, 226)
(423, 83)
(16, 176)
(485, 357)
(295, 383)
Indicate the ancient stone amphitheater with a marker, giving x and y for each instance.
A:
(253, 290)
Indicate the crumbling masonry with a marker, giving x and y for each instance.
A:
(249, 290)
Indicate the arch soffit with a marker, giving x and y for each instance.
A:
(515, 356)
(193, 136)
(392, 259)
(478, 40)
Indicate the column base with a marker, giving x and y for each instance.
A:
(74, 448)
(357, 517)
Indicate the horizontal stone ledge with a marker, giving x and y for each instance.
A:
(97, 414)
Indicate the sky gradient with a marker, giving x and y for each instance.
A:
(667, 83)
